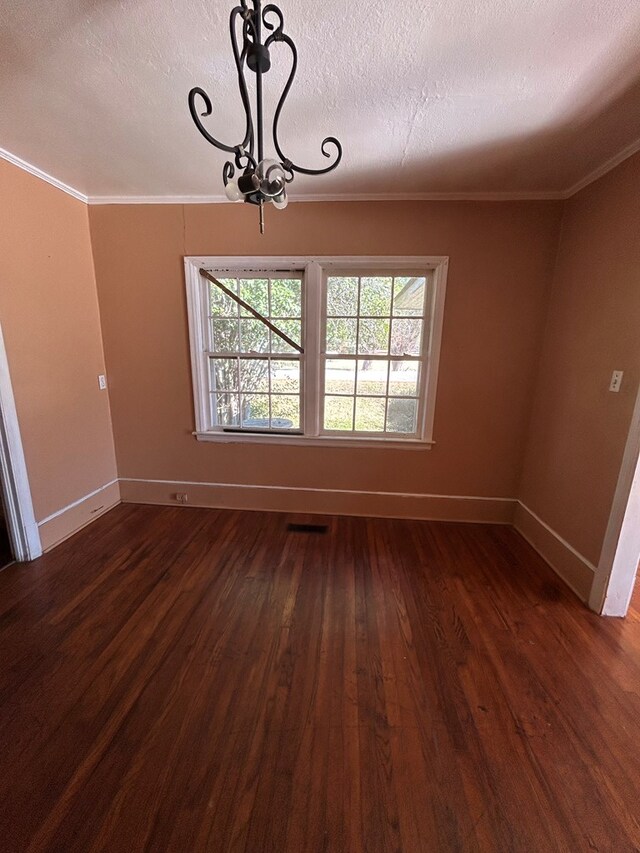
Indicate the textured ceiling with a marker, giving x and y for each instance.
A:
(448, 96)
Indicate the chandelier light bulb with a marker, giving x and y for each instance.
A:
(271, 176)
(281, 201)
(232, 192)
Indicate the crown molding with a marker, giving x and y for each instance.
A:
(158, 199)
(602, 170)
(44, 176)
(552, 195)
(533, 195)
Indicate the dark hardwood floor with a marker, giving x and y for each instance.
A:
(177, 679)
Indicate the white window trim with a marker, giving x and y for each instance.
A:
(314, 267)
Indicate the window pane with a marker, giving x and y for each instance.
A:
(342, 296)
(370, 414)
(375, 296)
(255, 292)
(340, 376)
(254, 375)
(291, 328)
(408, 296)
(341, 336)
(405, 337)
(338, 413)
(224, 374)
(254, 336)
(221, 305)
(224, 335)
(404, 379)
(285, 412)
(402, 415)
(285, 377)
(372, 377)
(374, 336)
(226, 409)
(255, 411)
(286, 297)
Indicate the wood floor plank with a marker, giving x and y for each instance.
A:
(180, 679)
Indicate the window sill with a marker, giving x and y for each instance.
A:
(315, 441)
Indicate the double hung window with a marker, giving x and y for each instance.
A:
(323, 350)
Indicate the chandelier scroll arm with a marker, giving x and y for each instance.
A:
(197, 91)
(228, 171)
(279, 36)
(193, 95)
(239, 58)
(277, 30)
(243, 160)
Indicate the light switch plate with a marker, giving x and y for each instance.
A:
(102, 382)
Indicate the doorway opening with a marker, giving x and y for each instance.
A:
(617, 572)
(6, 552)
(19, 537)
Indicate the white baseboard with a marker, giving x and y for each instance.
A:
(320, 501)
(574, 569)
(66, 521)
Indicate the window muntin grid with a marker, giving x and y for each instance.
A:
(255, 377)
(372, 361)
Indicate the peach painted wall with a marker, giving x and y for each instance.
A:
(578, 428)
(51, 326)
(502, 256)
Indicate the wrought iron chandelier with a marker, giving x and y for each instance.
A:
(261, 180)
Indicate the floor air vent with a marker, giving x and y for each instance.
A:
(307, 528)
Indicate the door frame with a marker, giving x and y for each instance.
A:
(23, 529)
(618, 566)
